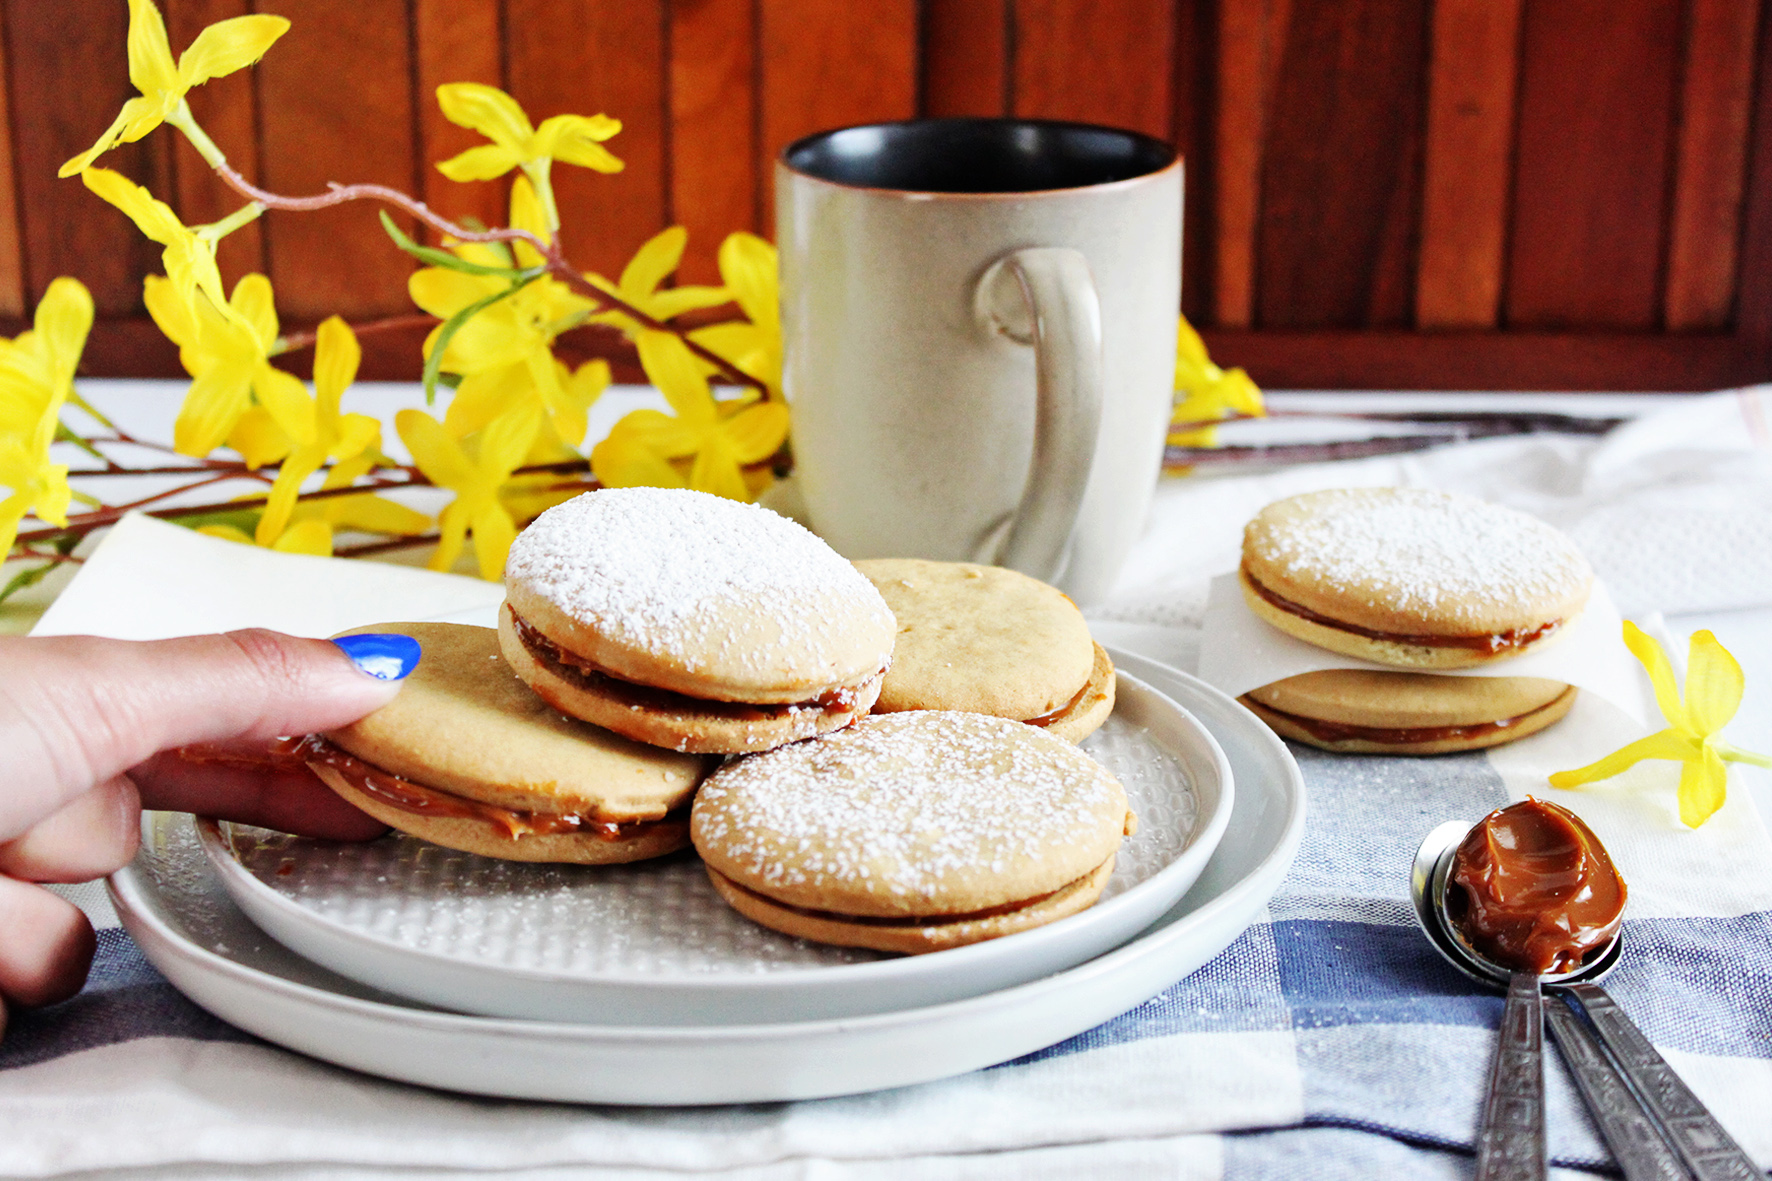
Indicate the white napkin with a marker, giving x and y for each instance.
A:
(149, 580)
(1240, 652)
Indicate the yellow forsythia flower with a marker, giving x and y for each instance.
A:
(1713, 694)
(516, 143)
(476, 479)
(228, 357)
(1208, 393)
(36, 378)
(189, 259)
(220, 49)
(721, 438)
(319, 432)
(651, 265)
(751, 270)
(505, 351)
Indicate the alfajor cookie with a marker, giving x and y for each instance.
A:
(912, 832)
(983, 639)
(1358, 711)
(693, 622)
(1410, 577)
(468, 758)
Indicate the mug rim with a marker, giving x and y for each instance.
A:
(1173, 162)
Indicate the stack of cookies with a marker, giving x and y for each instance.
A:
(1418, 581)
(648, 634)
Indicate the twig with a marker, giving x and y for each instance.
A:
(296, 341)
(557, 264)
(382, 547)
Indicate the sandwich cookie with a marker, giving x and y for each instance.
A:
(983, 639)
(468, 758)
(912, 832)
(1412, 578)
(1358, 711)
(692, 622)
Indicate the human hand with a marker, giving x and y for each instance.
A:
(89, 729)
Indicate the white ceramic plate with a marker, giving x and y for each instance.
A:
(653, 944)
(190, 929)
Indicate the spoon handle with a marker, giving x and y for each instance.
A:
(1510, 1145)
(1632, 1136)
(1709, 1151)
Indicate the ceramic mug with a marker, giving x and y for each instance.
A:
(979, 322)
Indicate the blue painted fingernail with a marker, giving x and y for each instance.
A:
(386, 656)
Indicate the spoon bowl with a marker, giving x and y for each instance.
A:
(1429, 880)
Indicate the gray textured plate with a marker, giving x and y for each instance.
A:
(190, 929)
(651, 943)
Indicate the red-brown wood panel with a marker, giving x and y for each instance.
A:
(829, 65)
(713, 112)
(1194, 76)
(1096, 63)
(69, 76)
(1590, 183)
(1251, 43)
(225, 109)
(1342, 171)
(1469, 158)
(335, 99)
(1753, 285)
(1717, 95)
(456, 41)
(965, 57)
(583, 57)
(12, 254)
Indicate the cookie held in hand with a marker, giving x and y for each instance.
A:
(688, 621)
(468, 758)
(912, 832)
(1365, 711)
(1410, 577)
(984, 639)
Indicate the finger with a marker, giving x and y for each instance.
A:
(289, 799)
(46, 945)
(77, 710)
(91, 836)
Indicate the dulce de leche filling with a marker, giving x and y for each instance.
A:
(1491, 642)
(832, 916)
(419, 800)
(1533, 889)
(588, 675)
(1403, 735)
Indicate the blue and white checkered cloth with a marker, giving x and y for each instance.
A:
(1328, 1041)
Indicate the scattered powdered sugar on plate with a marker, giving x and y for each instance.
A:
(664, 570)
(1421, 549)
(907, 804)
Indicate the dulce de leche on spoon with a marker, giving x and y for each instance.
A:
(1537, 892)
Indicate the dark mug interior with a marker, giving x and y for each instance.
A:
(977, 155)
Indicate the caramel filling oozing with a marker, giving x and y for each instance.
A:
(1400, 736)
(591, 677)
(1491, 642)
(416, 798)
(1048, 718)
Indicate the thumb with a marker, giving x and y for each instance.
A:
(78, 710)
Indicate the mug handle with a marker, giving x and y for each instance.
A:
(1044, 296)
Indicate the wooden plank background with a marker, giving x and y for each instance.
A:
(1462, 194)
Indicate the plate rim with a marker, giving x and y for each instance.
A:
(1202, 844)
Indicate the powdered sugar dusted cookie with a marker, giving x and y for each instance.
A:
(468, 758)
(984, 639)
(686, 620)
(1411, 577)
(912, 831)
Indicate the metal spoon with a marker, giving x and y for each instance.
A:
(1511, 1143)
